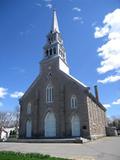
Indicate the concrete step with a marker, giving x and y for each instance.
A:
(64, 140)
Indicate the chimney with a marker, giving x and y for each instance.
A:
(96, 93)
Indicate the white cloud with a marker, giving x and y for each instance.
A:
(117, 102)
(3, 92)
(38, 4)
(110, 51)
(16, 94)
(76, 9)
(1, 104)
(17, 69)
(49, 6)
(106, 105)
(110, 79)
(100, 32)
(76, 18)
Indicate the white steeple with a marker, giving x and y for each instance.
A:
(55, 27)
(54, 45)
(54, 48)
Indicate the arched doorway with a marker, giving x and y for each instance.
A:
(75, 126)
(28, 128)
(50, 125)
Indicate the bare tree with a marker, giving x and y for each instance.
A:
(10, 119)
(6, 119)
(114, 122)
(2, 119)
(17, 116)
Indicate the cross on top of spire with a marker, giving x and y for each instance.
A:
(55, 27)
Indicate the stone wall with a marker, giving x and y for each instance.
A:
(97, 119)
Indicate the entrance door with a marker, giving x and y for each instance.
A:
(28, 128)
(50, 125)
(75, 126)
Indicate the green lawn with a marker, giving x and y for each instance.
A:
(29, 156)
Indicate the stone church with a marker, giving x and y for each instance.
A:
(57, 105)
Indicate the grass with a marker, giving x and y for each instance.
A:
(4, 155)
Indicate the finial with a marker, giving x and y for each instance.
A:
(55, 27)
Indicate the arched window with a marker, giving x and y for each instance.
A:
(73, 102)
(75, 126)
(29, 108)
(50, 125)
(28, 128)
(49, 93)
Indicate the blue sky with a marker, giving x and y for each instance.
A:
(91, 34)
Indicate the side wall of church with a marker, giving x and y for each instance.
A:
(97, 119)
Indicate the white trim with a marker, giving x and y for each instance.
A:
(73, 78)
(73, 101)
(77, 80)
(63, 67)
(49, 93)
(29, 108)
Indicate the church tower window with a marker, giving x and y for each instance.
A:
(73, 102)
(54, 50)
(47, 53)
(51, 51)
(49, 93)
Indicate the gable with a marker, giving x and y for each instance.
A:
(32, 86)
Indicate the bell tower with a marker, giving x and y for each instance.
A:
(54, 45)
(54, 50)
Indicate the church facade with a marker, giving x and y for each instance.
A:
(57, 105)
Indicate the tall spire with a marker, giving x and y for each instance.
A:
(54, 45)
(55, 27)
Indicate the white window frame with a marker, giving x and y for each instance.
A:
(49, 93)
(73, 101)
(29, 108)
